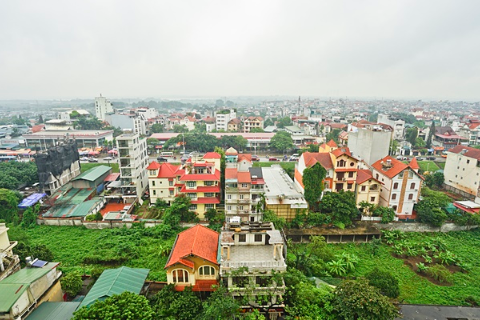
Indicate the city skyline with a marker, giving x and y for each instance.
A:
(373, 49)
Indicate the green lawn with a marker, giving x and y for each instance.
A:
(285, 165)
(76, 247)
(87, 166)
(416, 289)
(430, 166)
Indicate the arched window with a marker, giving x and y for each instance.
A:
(180, 276)
(206, 271)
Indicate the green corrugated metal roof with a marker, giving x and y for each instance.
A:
(54, 311)
(116, 281)
(94, 173)
(9, 294)
(83, 208)
(29, 275)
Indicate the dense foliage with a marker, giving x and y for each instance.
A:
(430, 208)
(341, 206)
(8, 205)
(313, 184)
(125, 306)
(385, 281)
(72, 283)
(15, 174)
(282, 141)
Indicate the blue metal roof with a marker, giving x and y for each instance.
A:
(31, 200)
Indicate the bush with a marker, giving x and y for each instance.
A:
(439, 273)
(385, 281)
(72, 283)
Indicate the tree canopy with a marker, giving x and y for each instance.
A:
(125, 306)
(341, 206)
(313, 183)
(15, 174)
(8, 205)
(284, 122)
(282, 141)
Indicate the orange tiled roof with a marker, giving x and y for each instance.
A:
(414, 164)
(470, 152)
(199, 241)
(364, 175)
(212, 155)
(310, 158)
(154, 165)
(168, 170)
(244, 177)
(245, 156)
(230, 173)
(396, 166)
(332, 144)
(341, 151)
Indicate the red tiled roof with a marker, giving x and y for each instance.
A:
(201, 177)
(230, 173)
(245, 156)
(258, 181)
(414, 164)
(364, 175)
(203, 164)
(187, 263)
(206, 200)
(470, 152)
(450, 136)
(111, 177)
(199, 241)
(473, 125)
(396, 167)
(332, 144)
(212, 155)
(341, 151)
(154, 165)
(168, 170)
(310, 158)
(201, 189)
(244, 177)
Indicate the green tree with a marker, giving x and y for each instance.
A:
(171, 304)
(387, 214)
(393, 147)
(284, 122)
(72, 283)
(178, 211)
(256, 130)
(341, 206)
(220, 305)
(282, 141)
(358, 300)
(157, 128)
(430, 208)
(268, 122)
(419, 143)
(306, 257)
(411, 135)
(313, 183)
(431, 132)
(180, 128)
(438, 179)
(8, 205)
(333, 135)
(125, 306)
(385, 281)
(29, 217)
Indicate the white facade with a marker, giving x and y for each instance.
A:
(102, 107)
(462, 173)
(398, 125)
(222, 119)
(370, 143)
(132, 152)
(400, 192)
(148, 113)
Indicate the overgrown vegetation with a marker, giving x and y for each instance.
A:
(15, 174)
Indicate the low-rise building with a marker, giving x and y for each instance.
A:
(9, 262)
(462, 171)
(252, 122)
(401, 184)
(194, 260)
(252, 260)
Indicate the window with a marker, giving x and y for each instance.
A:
(209, 206)
(170, 183)
(154, 192)
(242, 238)
(244, 185)
(262, 281)
(394, 208)
(372, 199)
(208, 183)
(410, 196)
(192, 207)
(258, 238)
(352, 164)
(468, 161)
(171, 192)
(394, 196)
(191, 184)
(241, 197)
(364, 188)
(240, 282)
(229, 197)
(206, 271)
(229, 208)
(395, 185)
(350, 174)
(376, 176)
(152, 172)
(209, 195)
(180, 276)
(349, 186)
(153, 183)
(192, 196)
(240, 207)
(400, 175)
(412, 185)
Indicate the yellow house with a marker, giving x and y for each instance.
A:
(368, 188)
(194, 260)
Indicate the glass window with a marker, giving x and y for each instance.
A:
(171, 192)
(209, 206)
(170, 183)
(229, 197)
(206, 271)
(180, 276)
(153, 183)
(258, 238)
(412, 185)
(154, 192)
(395, 185)
(364, 188)
(394, 196)
(208, 183)
(410, 196)
(191, 184)
(242, 238)
(209, 194)
(193, 207)
(372, 199)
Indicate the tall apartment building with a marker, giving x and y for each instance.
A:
(130, 122)
(401, 184)
(102, 107)
(132, 153)
(369, 142)
(223, 117)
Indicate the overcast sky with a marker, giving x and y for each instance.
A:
(130, 49)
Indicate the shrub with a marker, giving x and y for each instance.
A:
(386, 282)
(439, 273)
(72, 283)
(421, 267)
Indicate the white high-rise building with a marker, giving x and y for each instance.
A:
(102, 107)
(222, 117)
(132, 153)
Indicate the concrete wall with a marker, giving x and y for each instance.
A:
(369, 145)
(94, 224)
(420, 227)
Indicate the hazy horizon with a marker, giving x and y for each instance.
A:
(408, 50)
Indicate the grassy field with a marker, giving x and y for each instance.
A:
(430, 166)
(86, 166)
(416, 289)
(78, 248)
